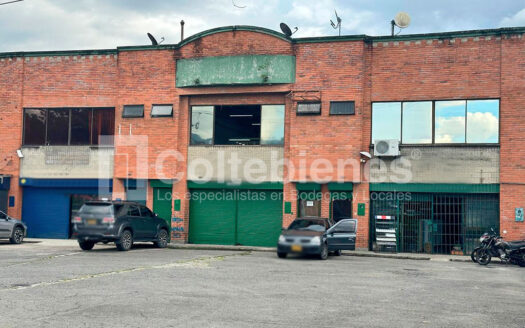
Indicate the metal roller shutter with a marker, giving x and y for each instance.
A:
(259, 220)
(232, 217)
(212, 217)
(46, 213)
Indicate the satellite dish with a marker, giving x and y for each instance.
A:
(402, 20)
(152, 39)
(286, 29)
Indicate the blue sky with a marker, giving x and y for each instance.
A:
(88, 24)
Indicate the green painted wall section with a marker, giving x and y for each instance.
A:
(436, 187)
(236, 70)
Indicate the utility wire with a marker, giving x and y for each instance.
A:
(8, 2)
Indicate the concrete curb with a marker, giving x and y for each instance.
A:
(401, 256)
(222, 248)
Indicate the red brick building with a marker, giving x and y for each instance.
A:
(191, 119)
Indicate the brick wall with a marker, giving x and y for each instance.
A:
(11, 74)
(362, 71)
(512, 123)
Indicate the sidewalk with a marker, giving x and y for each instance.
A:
(403, 256)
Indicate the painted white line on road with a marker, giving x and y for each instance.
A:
(202, 262)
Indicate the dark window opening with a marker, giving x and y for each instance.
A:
(341, 208)
(80, 126)
(237, 125)
(35, 126)
(68, 126)
(342, 108)
(57, 127)
(133, 111)
(103, 127)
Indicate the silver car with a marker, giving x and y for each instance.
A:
(12, 229)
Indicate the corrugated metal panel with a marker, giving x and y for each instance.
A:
(259, 220)
(436, 187)
(230, 217)
(212, 217)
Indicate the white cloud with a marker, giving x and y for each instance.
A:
(482, 127)
(89, 24)
(517, 19)
(448, 128)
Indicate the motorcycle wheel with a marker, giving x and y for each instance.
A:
(521, 262)
(474, 255)
(484, 257)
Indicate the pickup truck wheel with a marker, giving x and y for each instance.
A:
(324, 252)
(281, 255)
(125, 241)
(337, 252)
(86, 245)
(162, 239)
(18, 236)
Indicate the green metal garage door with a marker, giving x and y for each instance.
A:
(235, 217)
(212, 217)
(259, 220)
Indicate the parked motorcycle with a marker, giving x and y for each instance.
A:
(483, 240)
(493, 245)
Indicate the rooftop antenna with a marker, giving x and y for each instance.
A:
(286, 29)
(154, 41)
(402, 20)
(338, 25)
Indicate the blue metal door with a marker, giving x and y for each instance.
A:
(46, 212)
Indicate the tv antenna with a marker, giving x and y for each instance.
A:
(286, 29)
(338, 25)
(153, 40)
(402, 20)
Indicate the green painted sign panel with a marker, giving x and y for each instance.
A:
(361, 209)
(235, 70)
(287, 207)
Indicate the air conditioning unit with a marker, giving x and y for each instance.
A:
(388, 147)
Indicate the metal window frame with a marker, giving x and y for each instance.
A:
(70, 110)
(157, 115)
(433, 143)
(132, 116)
(339, 102)
(213, 127)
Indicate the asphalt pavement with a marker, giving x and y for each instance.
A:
(57, 285)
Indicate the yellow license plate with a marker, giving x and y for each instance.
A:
(297, 248)
(91, 221)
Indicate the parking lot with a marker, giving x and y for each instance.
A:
(60, 286)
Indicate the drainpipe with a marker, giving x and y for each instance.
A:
(181, 30)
